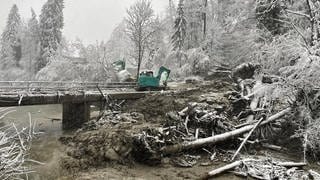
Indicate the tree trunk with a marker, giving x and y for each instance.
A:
(219, 138)
(205, 19)
(223, 169)
(139, 60)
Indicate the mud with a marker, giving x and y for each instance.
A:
(126, 145)
(110, 144)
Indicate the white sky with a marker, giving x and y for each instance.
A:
(89, 20)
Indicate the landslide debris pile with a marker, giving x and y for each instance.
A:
(210, 121)
(125, 137)
(99, 142)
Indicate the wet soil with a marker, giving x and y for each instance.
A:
(104, 151)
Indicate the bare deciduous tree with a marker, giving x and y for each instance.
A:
(140, 21)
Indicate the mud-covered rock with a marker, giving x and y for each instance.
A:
(101, 146)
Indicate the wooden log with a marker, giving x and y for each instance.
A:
(225, 168)
(273, 147)
(292, 164)
(245, 124)
(222, 169)
(219, 138)
(246, 139)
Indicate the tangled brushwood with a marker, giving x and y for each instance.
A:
(14, 147)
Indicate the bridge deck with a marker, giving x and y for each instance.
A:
(8, 100)
(14, 93)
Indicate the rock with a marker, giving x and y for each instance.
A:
(267, 79)
(92, 149)
(111, 155)
(210, 100)
(193, 80)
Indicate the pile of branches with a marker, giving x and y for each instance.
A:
(265, 169)
(14, 147)
(194, 122)
(199, 125)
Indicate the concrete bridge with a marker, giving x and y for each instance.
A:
(75, 97)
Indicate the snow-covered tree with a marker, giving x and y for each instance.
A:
(180, 26)
(51, 24)
(32, 42)
(194, 16)
(10, 40)
(33, 26)
(118, 46)
(140, 22)
(268, 14)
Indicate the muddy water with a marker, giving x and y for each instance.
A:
(45, 147)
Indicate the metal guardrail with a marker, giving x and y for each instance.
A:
(61, 85)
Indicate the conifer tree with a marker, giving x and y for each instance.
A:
(194, 15)
(268, 14)
(10, 40)
(33, 41)
(33, 26)
(180, 26)
(51, 24)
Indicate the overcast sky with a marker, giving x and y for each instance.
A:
(89, 20)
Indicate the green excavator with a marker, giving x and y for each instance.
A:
(147, 80)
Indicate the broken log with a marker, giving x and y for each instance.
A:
(246, 139)
(222, 169)
(225, 168)
(218, 138)
(292, 164)
(273, 147)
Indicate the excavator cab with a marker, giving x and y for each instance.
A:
(147, 80)
(119, 65)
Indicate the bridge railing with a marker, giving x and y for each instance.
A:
(63, 85)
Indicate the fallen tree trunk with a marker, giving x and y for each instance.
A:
(291, 164)
(219, 138)
(273, 147)
(224, 169)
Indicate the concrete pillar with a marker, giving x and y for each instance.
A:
(74, 115)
